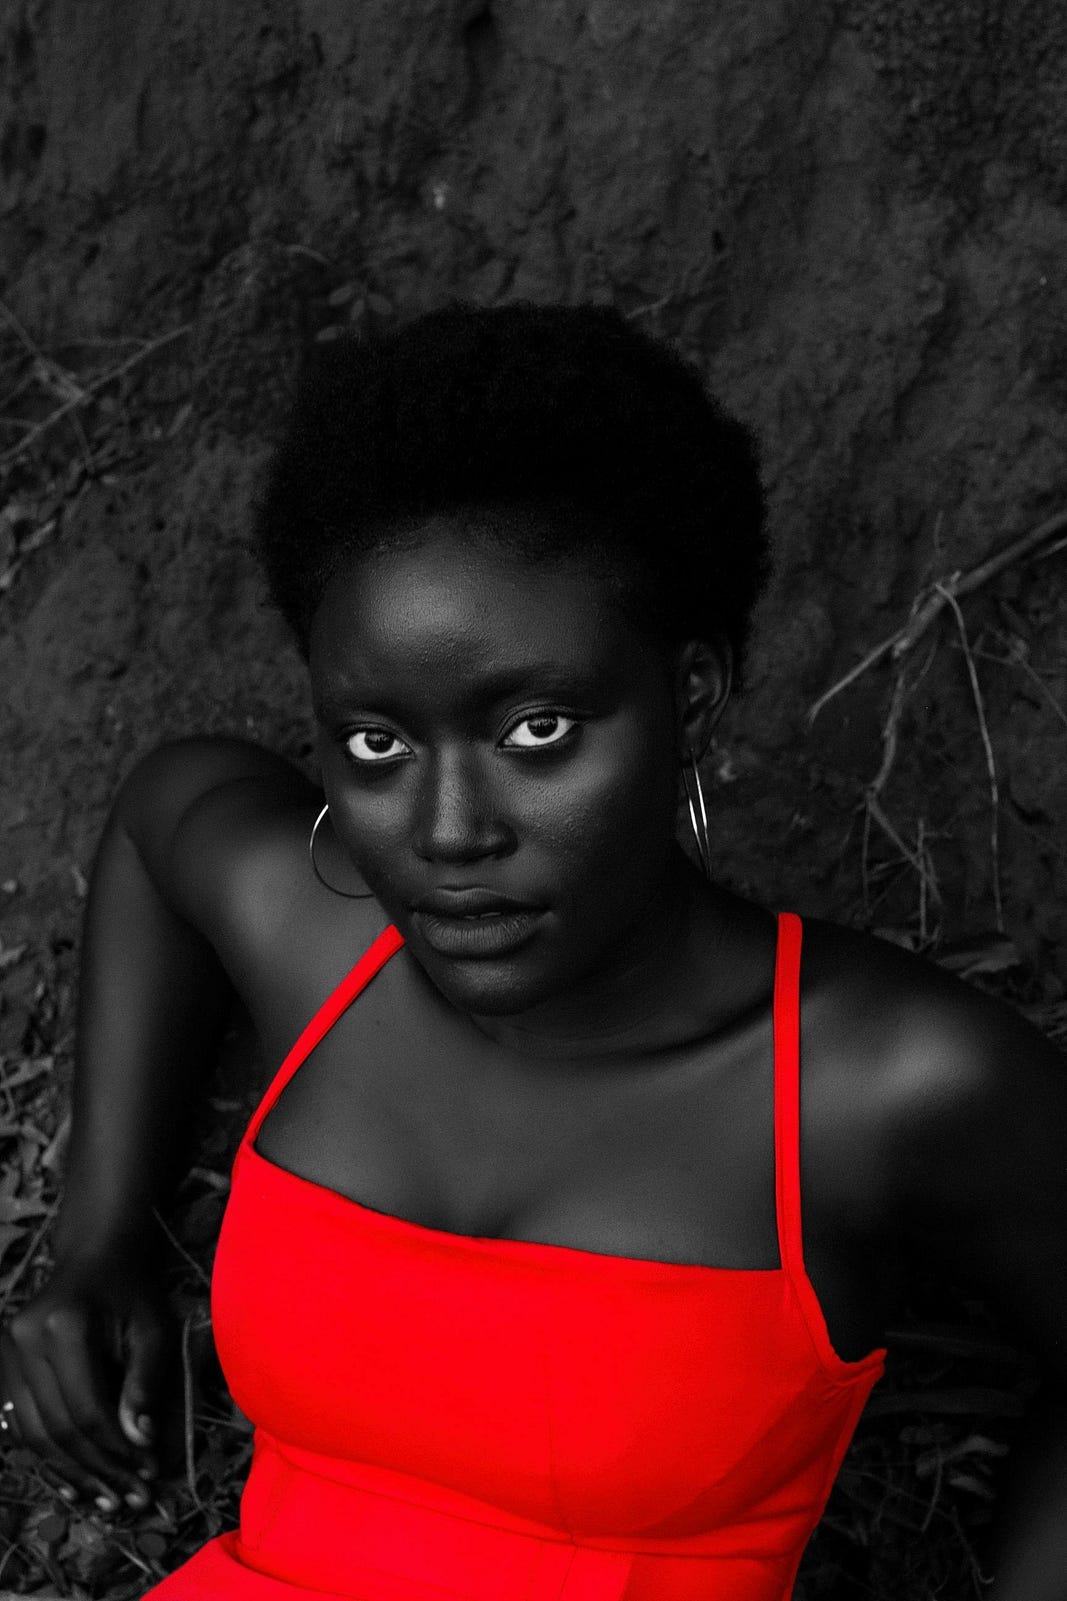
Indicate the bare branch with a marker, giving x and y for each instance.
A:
(994, 789)
(929, 603)
(91, 389)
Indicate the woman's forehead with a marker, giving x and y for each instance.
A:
(446, 604)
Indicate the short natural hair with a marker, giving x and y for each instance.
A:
(569, 410)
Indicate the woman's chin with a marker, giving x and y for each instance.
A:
(500, 988)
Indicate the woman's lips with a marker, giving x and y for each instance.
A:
(484, 935)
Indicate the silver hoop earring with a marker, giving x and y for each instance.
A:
(700, 833)
(348, 894)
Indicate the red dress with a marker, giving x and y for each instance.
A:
(445, 1417)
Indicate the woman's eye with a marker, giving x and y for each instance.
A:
(375, 746)
(544, 730)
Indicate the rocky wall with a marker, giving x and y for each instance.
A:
(850, 215)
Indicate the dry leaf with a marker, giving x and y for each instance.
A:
(17, 1208)
(9, 1233)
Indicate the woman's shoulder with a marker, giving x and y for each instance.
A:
(935, 1113)
(923, 1035)
(927, 1074)
(906, 1014)
(223, 826)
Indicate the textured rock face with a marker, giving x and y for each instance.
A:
(852, 218)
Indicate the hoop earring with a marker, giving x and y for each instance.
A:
(700, 833)
(348, 894)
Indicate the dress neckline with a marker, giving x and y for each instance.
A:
(390, 1220)
(786, 1101)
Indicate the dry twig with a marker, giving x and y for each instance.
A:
(189, 1400)
(180, 1248)
(1016, 658)
(64, 382)
(994, 790)
(28, 1256)
(920, 858)
(15, 451)
(876, 810)
(928, 605)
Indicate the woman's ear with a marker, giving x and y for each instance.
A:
(704, 672)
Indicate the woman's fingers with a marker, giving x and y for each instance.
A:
(45, 1427)
(27, 1431)
(151, 1350)
(87, 1398)
(72, 1442)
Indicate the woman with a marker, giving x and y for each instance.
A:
(512, 1278)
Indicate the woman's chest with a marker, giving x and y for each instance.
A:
(674, 1162)
(406, 1107)
(407, 1110)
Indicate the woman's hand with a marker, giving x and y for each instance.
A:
(84, 1368)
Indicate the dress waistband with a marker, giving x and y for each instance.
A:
(367, 1542)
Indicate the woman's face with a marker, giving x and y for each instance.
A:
(486, 723)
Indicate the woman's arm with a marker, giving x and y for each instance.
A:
(980, 1164)
(92, 1350)
(153, 995)
(1029, 1558)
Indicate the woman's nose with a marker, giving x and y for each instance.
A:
(458, 816)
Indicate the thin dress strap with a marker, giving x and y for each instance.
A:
(373, 959)
(787, 1156)
(787, 1094)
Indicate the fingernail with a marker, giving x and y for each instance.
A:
(145, 1426)
(106, 1504)
(136, 1498)
(68, 1492)
(147, 1471)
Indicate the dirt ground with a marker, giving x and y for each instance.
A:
(852, 216)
